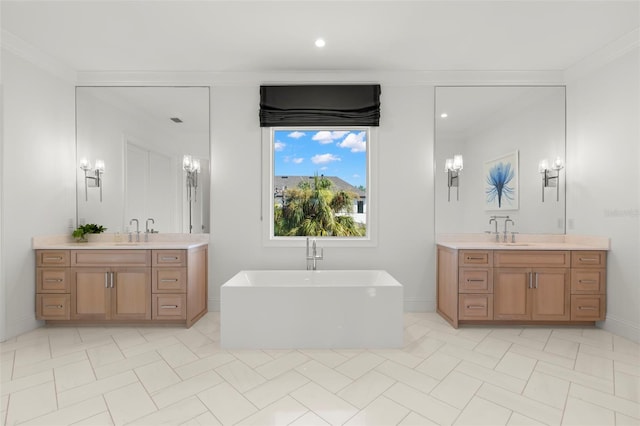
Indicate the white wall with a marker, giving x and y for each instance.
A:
(38, 177)
(603, 187)
(405, 235)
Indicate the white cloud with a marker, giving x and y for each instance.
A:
(324, 158)
(355, 142)
(298, 160)
(279, 146)
(325, 137)
(296, 134)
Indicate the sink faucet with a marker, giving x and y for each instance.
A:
(494, 220)
(137, 228)
(146, 231)
(312, 256)
(506, 220)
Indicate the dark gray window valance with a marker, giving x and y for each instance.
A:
(320, 105)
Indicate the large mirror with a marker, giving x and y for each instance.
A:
(502, 133)
(131, 144)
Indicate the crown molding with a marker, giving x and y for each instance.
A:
(603, 56)
(399, 78)
(35, 56)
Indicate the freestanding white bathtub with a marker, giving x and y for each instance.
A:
(290, 309)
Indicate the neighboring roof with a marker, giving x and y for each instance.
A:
(338, 184)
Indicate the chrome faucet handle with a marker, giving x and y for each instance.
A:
(513, 236)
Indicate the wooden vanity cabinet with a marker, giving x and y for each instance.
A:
(588, 285)
(523, 286)
(121, 285)
(111, 285)
(53, 288)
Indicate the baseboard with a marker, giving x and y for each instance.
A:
(623, 328)
(410, 305)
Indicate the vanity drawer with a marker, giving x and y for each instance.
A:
(52, 280)
(589, 259)
(53, 306)
(532, 258)
(169, 280)
(588, 281)
(169, 258)
(475, 307)
(132, 258)
(169, 306)
(475, 280)
(475, 258)
(52, 258)
(588, 307)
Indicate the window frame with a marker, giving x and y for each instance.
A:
(267, 198)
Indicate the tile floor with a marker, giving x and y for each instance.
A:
(469, 376)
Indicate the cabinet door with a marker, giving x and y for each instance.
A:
(131, 294)
(550, 296)
(90, 293)
(510, 293)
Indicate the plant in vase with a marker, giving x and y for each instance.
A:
(80, 233)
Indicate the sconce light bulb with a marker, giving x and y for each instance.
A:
(100, 166)
(448, 165)
(196, 165)
(543, 165)
(186, 162)
(85, 164)
(457, 162)
(558, 164)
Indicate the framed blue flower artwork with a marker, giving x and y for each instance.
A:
(501, 183)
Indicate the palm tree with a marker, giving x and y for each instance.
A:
(316, 210)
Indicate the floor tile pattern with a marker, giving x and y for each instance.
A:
(442, 376)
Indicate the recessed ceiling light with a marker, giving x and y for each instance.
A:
(320, 42)
(444, 115)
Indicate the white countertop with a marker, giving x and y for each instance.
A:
(523, 242)
(109, 242)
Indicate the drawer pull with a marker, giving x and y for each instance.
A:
(587, 308)
(168, 306)
(54, 306)
(169, 258)
(588, 259)
(470, 280)
(53, 280)
(476, 307)
(166, 280)
(53, 258)
(474, 258)
(587, 281)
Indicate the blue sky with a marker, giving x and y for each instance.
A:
(341, 153)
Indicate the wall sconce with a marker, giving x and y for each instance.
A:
(92, 176)
(192, 167)
(452, 168)
(551, 175)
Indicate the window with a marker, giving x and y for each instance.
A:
(318, 184)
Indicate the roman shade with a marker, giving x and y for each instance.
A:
(320, 105)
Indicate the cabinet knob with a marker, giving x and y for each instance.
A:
(54, 306)
(587, 308)
(53, 280)
(170, 258)
(166, 280)
(587, 281)
(475, 306)
(169, 306)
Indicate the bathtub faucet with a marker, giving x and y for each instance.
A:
(312, 255)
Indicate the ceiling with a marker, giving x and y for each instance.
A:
(267, 35)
